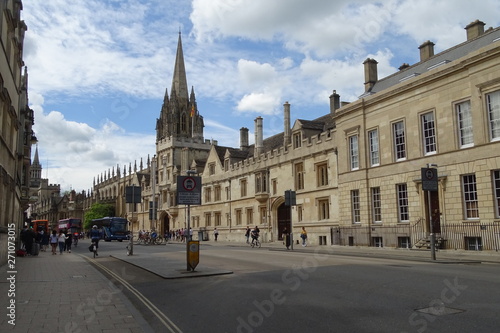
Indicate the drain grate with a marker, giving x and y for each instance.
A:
(440, 311)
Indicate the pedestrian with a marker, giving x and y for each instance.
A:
(286, 238)
(61, 239)
(23, 237)
(303, 235)
(53, 241)
(29, 238)
(216, 234)
(69, 242)
(45, 241)
(247, 234)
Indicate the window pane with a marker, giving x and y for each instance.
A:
(399, 141)
(403, 203)
(374, 153)
(470, 197)
(493, 101)
(353, 148)
(429, 133)
(464, 119)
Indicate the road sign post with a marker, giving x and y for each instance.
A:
(430, 184)
(189, 193)
(290, 200)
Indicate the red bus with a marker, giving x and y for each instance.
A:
(38, 225)
(71, 225)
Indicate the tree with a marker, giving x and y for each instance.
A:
(97, 211)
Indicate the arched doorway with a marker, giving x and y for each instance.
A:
(283, 219)
(165, 224)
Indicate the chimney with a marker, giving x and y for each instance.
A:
(370, 73)
(404, 66)
(426, 50)
(334, 102)
(474, 29)
(243, 138)
(258, 136)
(287, 138)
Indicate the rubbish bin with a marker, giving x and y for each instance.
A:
(200, 235)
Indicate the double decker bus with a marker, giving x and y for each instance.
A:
(72, 225)
(113, 228)
(39, 225)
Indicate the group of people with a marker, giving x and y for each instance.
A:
(287, 239)
(32, 241)
(62, 240)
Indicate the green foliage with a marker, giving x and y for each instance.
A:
(97, 211)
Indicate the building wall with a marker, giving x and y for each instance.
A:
(15, 125)
(437, 91)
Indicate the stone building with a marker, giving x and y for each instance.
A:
(46, 200)
(356, 170)
(16, 120)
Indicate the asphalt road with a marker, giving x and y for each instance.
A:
(285, 291)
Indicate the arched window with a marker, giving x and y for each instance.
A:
(183, 123)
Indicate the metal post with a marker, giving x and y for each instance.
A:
(431, 222)
(433, 236)
(188, 236)
(291, 228)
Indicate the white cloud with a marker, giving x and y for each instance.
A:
(73, 153)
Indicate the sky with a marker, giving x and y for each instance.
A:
(98, 69)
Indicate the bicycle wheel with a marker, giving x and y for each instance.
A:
(159, 240)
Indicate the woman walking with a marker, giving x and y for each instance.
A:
(53, 241)
(62, 241)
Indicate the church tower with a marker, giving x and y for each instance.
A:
(179, 117)
(35, 171)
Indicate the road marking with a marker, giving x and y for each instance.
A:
(169, 324)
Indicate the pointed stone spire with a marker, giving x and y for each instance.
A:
(140, 165)
(148, 163)
(179, 81)
(135, 166)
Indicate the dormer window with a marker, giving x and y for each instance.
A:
(297, 140)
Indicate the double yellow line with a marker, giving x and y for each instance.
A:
(169, 324)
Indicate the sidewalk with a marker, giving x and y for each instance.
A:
(442, 256)
(63, 293)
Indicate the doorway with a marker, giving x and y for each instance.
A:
(284, 221)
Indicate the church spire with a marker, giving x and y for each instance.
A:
(179, 81)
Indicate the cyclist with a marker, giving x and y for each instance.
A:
(95, 235)
(255, 234)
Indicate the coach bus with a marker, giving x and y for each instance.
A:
(73, 225)
(113, 228)
(39, 225)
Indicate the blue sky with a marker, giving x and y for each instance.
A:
(98, 69)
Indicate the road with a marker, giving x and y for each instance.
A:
(285, 291)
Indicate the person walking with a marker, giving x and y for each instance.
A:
(247, 234)
(53, 242)
(45, 241)
(29, 238)
(69, 242)
(303, 235)
(61, 239)
(216, 234)
(286, 238)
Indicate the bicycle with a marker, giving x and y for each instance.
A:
(255, 243)
(93, 248)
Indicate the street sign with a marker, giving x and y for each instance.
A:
(290, 198)
(429, 179)
(188, 190)
(193, 254)
(133, 194)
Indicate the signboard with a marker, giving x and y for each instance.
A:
(188, 190)
(290, 198)
(193, 254)
(133, 194)
(429, 179)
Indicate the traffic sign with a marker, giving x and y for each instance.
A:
(429, 179)
(188, 190)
